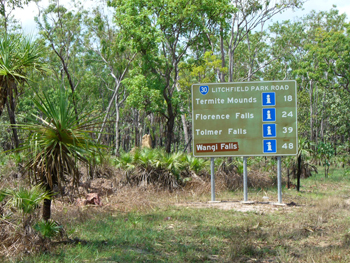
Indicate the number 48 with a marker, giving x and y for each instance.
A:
(288, 146)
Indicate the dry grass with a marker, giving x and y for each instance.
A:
(16, 240)
(231, 180)
(315, 231)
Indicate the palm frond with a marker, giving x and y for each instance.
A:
(57, 141)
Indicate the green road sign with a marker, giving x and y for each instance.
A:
(245, 119)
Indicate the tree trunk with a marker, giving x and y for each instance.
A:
(3, 96)
(299, 173)
(115, 94)
(136, 128)
(311, 113)
(46, 209)
(153, 131)
(69, 77)
(169, 132)
(230, 68)
(6, 98)
(12, 116)
(222, 50)
(160, 133)
(184, 124)
(322, 129)
(117, 125)
(183, 120)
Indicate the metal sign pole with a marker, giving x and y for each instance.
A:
(245, 179)
(212, 179)
(279, 180)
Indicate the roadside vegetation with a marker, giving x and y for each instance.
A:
(77, 100)
(148, 217)
(150, 223)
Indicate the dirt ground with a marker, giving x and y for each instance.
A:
(124, 198)
(252, 206)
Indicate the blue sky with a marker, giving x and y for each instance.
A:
(319, 5)
(26, 16)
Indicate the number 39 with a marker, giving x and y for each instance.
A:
(287, 129)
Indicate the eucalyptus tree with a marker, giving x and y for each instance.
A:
(332, 50)
(61, 29)
(163, 32)
(302, 54)
(114, 54)
(316, 68)
(288, 40)
(6, 9)
(206, 69)
(252, 56)
(249, 16)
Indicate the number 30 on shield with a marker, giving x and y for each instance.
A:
(204, 89)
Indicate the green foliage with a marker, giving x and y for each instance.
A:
(147, 161)
(125, 161)
(25, 200)
(3, 195)
(19, 55)
(191, 234)
(177, 43)
(172, 162)
(196, 164)
(346, 173)
(11, 5)
(162, 34)
(207, 71)
(325, 151)
(144, 93)
(47, 229)
(305, 147)
(58, 141)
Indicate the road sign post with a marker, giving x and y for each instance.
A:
(245, 119)
(245, 179)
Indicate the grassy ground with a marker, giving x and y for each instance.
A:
(154, 229)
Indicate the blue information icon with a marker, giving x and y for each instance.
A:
(269, 130)
(269, 146)
(268, 99)
(269, 114)
(204, 89)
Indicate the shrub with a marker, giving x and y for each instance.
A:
(155, 166)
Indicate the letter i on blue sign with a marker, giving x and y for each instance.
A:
(269, 114)
(268, 99)
(269, 146)
(269, 130)
(204, 90)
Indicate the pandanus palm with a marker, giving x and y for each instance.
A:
(18, 56)
(57, 142)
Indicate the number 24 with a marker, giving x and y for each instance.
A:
(284, 114)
